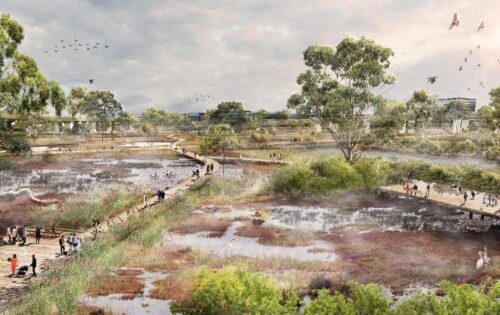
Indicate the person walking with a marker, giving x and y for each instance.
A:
(61, 244)
(472, 195)
(13, 265)
(33, 264)
(407, 188)
(24, 235)
(38, 234)
(75, 242)
(459, 189)
(465, 197)
(9, 234)
(14, 235)
(428, 190)
(415, 189)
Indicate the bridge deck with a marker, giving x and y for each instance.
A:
(448, 197)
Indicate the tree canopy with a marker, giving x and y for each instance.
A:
(24, 91)
(231, 113)
(338, 88)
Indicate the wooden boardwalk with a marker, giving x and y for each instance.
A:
(221, 159)
(446, 196)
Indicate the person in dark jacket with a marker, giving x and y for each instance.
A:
(33, 264)
(61, 244)
(38, 234)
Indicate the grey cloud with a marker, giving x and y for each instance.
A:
(162, 52)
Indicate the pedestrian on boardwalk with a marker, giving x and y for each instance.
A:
(24, 235)
(490, 200)
(33, 264)
(75, 242)
(415, 189)
(485, 199)
(472, 195)
(13, 265)
(428, 190)
(459, 189)
(38, 234)
(14, 235)
(9, 234)
(61, 244)
(465, 196)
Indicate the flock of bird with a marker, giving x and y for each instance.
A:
(75, 45)
(455, 22)
(198, 97)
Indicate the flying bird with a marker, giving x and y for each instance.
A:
(95, 47)
(75, 48)
(431, 80)
(106, 46)
(479, 65)
(46, 51)
(478, 46)
(460, 69)
(55, 50)
(88, 48)
(465, 59)
(63, 46)
(468, 89)
(55, 46)
(62, 40)
(481, 84)
(97, 44)
(481, 26)
(91, 81)
(455, 22)
(75, 39)
(470, 52)
(70, 45)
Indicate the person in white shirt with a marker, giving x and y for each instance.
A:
(9, 234)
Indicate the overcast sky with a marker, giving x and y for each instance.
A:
(163, 52)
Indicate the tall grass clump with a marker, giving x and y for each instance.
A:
(78, 212)
(6, 164)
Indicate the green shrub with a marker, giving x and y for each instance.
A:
(493, 152)
(232, 291)
(326, 304)
(373, 173)
(291, 179)
(6, 164)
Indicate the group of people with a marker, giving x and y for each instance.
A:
(23, 269)
(72, 242)
(274, 156)
(488, 199)
(19, 234)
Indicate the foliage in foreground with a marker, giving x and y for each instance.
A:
(368, 299)
(233, 291)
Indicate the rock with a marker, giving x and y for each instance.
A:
(258, 221)
(440, 292)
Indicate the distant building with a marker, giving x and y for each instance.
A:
(470, 103)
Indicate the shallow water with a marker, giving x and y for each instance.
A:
(321, 219)
(233, 245)
(82, 175)
(139, 305)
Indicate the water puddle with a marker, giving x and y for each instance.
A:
(230, 244)
(141, 304)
